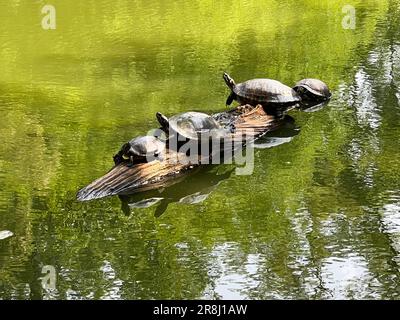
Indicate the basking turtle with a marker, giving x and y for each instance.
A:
(312, 89)
(260, 91)
(141, 149)
(192, 125)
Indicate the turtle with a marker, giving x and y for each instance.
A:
(312, 90)
(192, 125)
(260, 91)
(141, 149)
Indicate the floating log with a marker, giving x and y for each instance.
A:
(249, 122)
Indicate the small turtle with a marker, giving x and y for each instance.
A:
(192, 125)
(260, 91)
(141, 149)
(312, 89)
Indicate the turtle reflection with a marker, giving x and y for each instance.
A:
(313, 106)
(193, 188)
(287, 130)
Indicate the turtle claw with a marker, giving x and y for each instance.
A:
(131, 162)
(130, 165)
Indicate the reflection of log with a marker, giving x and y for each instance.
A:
(122, 179)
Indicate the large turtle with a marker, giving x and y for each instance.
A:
(141, 149)
(192, 125)
(312, 89)
(260, 91)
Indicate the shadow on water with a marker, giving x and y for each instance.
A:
(193, 188)
(284, 134)
(288, 129)
(313, 106)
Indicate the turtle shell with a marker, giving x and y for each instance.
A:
(264, 91)
(313, 86)
(145, 145)
(192, 124)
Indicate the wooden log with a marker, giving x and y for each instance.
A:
(250, 123)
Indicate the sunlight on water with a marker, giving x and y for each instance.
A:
(347, 278)
(229, 280)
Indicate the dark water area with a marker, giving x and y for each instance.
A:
(319, 217)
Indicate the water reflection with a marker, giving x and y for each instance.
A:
(313, 107)
(193, 188)
(348, 277)
(284, 134)
(318, 219)
(391, 213)
(230, 280)
(4, 234)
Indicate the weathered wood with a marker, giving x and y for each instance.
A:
(250, 123)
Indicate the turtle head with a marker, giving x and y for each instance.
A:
(229, 81)
(119, 157)
(126, 149)
(163, 120)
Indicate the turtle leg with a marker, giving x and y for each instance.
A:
(130, 161)
(161, 208)
(230, 99)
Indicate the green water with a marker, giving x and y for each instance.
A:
(319, 218)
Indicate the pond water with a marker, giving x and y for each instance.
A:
(319, 218)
